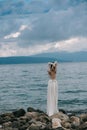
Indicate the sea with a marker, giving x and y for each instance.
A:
(25, 85)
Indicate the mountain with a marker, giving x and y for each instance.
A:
(46, 57)
(24, 60)
(66, 56)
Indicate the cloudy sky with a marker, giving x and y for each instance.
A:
(35, 26)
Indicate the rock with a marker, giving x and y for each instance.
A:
(34, 127)
(61, 116)
(14, 119)
(30, 109)
(39, 111)
(24, 127)
(7, 114)
(1, 120)
(18, 113)
(31, 115)
(44, 119)
(83, 126)
(56, 123)
(9, 128)
(59, 128)
(24, 119)
(63, 111)
(0, 126)
(83, 117)
(38, 120)
(43, 126)
(66, 124)
(32, 121)
(22, 122)
(38, 123)
(75, 121)
(7, 124)
(71, 114)
(15, 124)
(6, 117)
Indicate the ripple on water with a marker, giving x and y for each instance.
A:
(24, 86)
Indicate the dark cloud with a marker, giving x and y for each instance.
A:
(58, 25)
(21, 7)
(46, 21)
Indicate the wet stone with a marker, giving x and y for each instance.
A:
(18, 113)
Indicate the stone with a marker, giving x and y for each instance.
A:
(9, 128)
(63, 111)
(34, 127)
(39, 111)
(75, 121)
(22, 122)
(23, 118)
(7, 124)
(35, 119)
(43, 126)
(6, 117)
(43, 118)
(13, 119)
(18, 113)
(59, 128)
(31, 115)
(32, 121)
(83, 117)
(56, 123)
(38, 123)
(66, 124)
(7, 114)
(1, 120)
(15, 124)
(0, 126)
(15, 129)
(30, 109)
(47, 127)
(61, 116)
(24, 127)
(83, 126)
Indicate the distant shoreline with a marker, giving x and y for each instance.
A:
(30, 60)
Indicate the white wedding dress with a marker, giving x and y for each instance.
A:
(52, 97)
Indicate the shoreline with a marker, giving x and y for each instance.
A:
(75, 111)
(35, 119)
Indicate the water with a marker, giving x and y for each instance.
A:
(25, 85)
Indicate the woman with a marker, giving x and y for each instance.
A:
(52, 91)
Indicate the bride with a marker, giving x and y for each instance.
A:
(52, 90)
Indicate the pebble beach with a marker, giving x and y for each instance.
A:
(35, 119)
